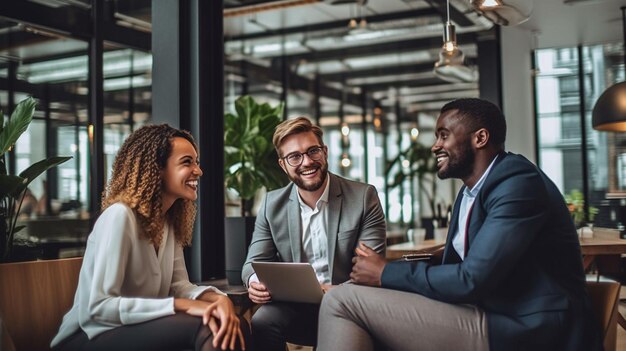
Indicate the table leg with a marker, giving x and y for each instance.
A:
(587, 260)
(621, 320)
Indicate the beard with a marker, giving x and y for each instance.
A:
(300, 183)
(459, 165)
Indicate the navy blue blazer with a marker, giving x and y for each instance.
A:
(523, 265)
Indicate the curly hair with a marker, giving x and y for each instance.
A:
(137, 182)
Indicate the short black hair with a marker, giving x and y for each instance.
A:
(479, 113)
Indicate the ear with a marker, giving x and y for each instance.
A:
(281, 163)
(480, 138)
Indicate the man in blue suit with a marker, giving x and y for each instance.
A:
(511, 276)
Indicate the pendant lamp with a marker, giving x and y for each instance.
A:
(450, 66)
(609, 113)
(504, 12)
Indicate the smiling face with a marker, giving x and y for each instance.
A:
(453, 147)
(181, 173)
(311, 174)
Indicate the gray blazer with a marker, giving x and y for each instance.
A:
(354, 214)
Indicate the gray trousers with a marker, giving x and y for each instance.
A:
(276, 323)
(354, 317)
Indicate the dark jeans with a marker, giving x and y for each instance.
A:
(276, 323)
(178, 332)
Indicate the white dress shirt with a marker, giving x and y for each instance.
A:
(123, 280)
(469, 196)
(314, 235)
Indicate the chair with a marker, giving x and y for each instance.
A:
(605, 301)
(35, 296)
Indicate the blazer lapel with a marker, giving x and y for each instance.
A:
(452, 228)
(295, 226)
(335, 200)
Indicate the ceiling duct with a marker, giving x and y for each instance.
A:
(266, 6)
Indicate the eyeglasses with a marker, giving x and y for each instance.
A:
(295, 159)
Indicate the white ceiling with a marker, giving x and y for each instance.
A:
(586, 22)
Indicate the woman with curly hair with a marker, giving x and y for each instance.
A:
(134, 292)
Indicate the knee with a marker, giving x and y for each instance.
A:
(335, 299)
(264, 320)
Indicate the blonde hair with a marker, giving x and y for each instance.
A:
(295, 126)
(137, 182)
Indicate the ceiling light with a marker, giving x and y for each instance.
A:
(414, 134)
(504, 12)
(345, 160)
(450, 66)
(609, 112)
(345, 129)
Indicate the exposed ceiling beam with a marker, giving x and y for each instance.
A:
(73, 22)
(15, 39)
(456, 16)
(334, 24)
(297, 82)
(58, 94)
(367, 50)
(409, 83)
(379, 71)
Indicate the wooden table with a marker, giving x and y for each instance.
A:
(395, 252)
(604, 242)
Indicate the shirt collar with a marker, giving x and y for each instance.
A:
(479, 184)
(322, 199)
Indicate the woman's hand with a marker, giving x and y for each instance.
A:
(219, 315)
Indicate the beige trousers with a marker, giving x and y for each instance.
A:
(354, 317)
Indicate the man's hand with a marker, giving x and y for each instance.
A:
(368, 266)
(326, 287)
(258, 293)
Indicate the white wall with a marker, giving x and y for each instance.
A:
(517, 85)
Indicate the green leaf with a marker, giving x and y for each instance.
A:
(32, 172)
(250, 161)
(9, 185)
(20, 119)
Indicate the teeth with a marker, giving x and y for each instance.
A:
(307, 172)
(192, 183)
(440, 158)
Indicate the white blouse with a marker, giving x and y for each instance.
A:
(122, 279)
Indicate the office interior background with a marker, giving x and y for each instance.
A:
(363, 70)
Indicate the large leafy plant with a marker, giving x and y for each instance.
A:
(12, 187)
(421, 165)
(250, 160)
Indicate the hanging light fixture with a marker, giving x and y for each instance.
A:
(504, 12)
(450, 66)
(609, 112)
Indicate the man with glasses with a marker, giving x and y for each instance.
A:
(319, 218)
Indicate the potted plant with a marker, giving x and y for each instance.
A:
(423, 167)
(250, 163)
(13, 187)
(576, 205)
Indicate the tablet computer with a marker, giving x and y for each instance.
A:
(289, 281)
